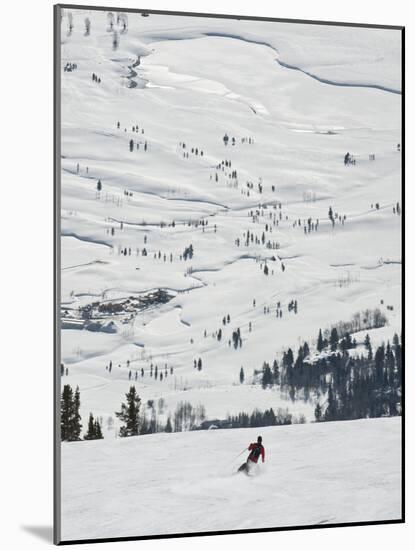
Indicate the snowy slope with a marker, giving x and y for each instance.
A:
(192, 81)
(349, 56)
(176, 483)
(196, 80)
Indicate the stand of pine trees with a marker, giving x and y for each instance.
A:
(364, 386)
(94, 429)
(71, 425)
(258, 419)
(270, 377)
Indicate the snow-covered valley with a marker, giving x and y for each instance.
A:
(174, 239)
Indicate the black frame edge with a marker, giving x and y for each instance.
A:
(231, 532)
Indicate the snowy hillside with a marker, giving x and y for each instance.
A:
(193, 86)
(175, 483)
(230, 191)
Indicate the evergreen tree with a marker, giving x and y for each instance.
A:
(98, 431)
(318, 412)
(70, 418)
(389, 358)
(241, 376)
(275, 372)
(368, 346)
(99, 185)
(379, 361)
(168, 429)
(320, 341)
(76, 419)
(129, 414)
(288, 358)
(370, 354)
(66, 412)
(331, 410)
(334, 339)
(94, 429)
(91, 428)
(266, 376)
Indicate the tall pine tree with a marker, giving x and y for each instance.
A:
(70, 418)
(334, 339)
(320, 341)
(168, 429)
(129, 414)
(98, 431)
(66, 412)
(91, 428)
(76, 419)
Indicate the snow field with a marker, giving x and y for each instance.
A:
(185, 482)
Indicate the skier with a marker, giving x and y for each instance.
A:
(347, 159)
(256, 450)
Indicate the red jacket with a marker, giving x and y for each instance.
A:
(257, 450)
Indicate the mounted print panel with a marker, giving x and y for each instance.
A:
(229, 277)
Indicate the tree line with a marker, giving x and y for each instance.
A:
(71, 425)
(350, 386)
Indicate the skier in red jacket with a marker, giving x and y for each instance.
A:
(256, 450)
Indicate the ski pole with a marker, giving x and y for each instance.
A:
(246, 448)
(238, 455)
